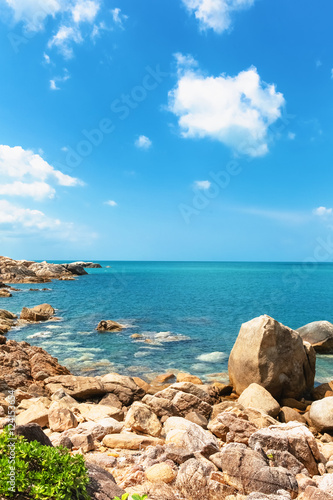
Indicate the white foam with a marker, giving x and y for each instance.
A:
(53, 327)
(142, 354)
(39, 334)
(212, 357)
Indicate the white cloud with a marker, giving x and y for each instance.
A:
(30, 172)
(34, 12)
(204, 185)
(63, 40)
(25, 217)
(85, 11)
(236, 111)
(118, 17)
(36, 190)
(59, 79)
(53, 85)
(291, 136)
(322, 211)
(216, 14)
(47, 59)
(111, 203)
(143, 142)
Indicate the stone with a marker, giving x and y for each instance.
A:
(140, 418)
(160, 472)
(36, 414)
(111, 400)
(183, 433)
(130, 441)
(5, 293)
(43, 312)
(225, 405)
(33, 432)
(293, 437)
(186, 402)
(197, 418)
(75, 268)
(162, 407)
(259, 418)
(256, 396)
(289, 415)
(76, 386)
(312, 493)
(322, 391)
(102, 485)
(278, 458)
(96, 412)
(109, 326)
(123, 387)
(60, 418)
(186, 377)
(111, 425)
(200, 391)
(274, 356)
(325, 483)
(84, 442)
(164, 378)
(231, 428)
(195, 480)
(319, 334)
(248, 471)
(321, 414)
(142, 383)
(294, 403)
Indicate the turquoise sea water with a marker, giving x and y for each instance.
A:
(190, 311)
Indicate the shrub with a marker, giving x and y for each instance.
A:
(41, 472)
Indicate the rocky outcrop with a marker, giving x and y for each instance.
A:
(109, 326)
(319, 334)
(88, 265)
(22, 364)
(42, 312)
(274, 356)
(7, 321)
(23, 271)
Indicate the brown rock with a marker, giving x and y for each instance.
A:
(273, 356)
(186, 377)
(183, 433)
(33, 432)
(312, 493)
(231, 428)
(140, 418)
(83, 441)
(77, 387)
(160, 472)
(197, 418)
(322, 391)
(319, 334)
(130, 441)
(96, 412)
(123, 387)
(109, 326)
(60, 418)
(256, 396)
(141, 383)
(102, 485)
(289, 415)
(111, 400)
(42, 312)
(36, 414)
(163, 379)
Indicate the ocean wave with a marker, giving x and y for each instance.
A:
(212, 357)
(142, 354)
(39, 335)
(53, 327)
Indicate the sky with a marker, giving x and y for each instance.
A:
(166, 130)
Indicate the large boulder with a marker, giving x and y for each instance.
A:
(140, 418)
(274, 356)
(256, 396)
(321, 414)
(77, 387)
(189, 436)
(319, 334)
(231, 428)
(109, 326)
(102, 485)
(42, 312)
(123, 387)
(75, 268)
(33, 432)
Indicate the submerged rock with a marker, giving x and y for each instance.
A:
(274, 356)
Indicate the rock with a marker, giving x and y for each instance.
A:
(285, 459)
(182, 402)
(61, 440)
(195, 481)
(43, 312)
(3, 339)
(293, 437)
(33, 432)
(88, 265)
(65, 399)
(247, 471)
(225, 405)
(274, 356)
(21, 362)
(5, 293)
(312, 493)
(111, 400)
(198, 419)
(109, 326)
(160, 472)
(77, 387)
(289, 415)
(140, 418)
(7, 321)
(75, 268)
(186, 377)
(160, 406)
(36, 414)
(256, 396)
(142, 383)
(111, 425)
(123, 387)
(102, 485)
(202, 392)
(183, 433)
(83, 441)
(231, 428)
(321, 414)
(48, 270)
(130, 441)
(322, 391)
(96, 412)
(319, 334)
(164, 378)
(293, 403)
(60, 418)
(259, 418)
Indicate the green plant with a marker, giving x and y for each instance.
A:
(270, 456)
(134, 497)
(40, 472)
(123, 497)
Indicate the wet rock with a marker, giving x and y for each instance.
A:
(274, 356)
(140, 418)
(109, 326)
(42, 312)
(321, 414)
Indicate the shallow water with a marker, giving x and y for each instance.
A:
(190, 313)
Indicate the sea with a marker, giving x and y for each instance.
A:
(188, 313)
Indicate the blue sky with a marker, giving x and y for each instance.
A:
(166, 130)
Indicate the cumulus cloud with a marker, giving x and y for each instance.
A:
(235, 110)
(30, 172)
(322, 211)
(34, 12)
(16, 217)
(85, 11)
(143, 142)
(111, 203)
(204, 185)
(216, 14)
(64, 39)
(118, 17)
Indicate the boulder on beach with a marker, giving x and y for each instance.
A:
(109, 326)
(274, 356)
(256, 396)
(321, 414)
(42, 312)
(319, 334)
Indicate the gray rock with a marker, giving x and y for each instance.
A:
(33, 432)
(319, 334)
(102, 485)
(321, 414)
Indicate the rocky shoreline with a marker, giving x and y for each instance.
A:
(268, 434)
